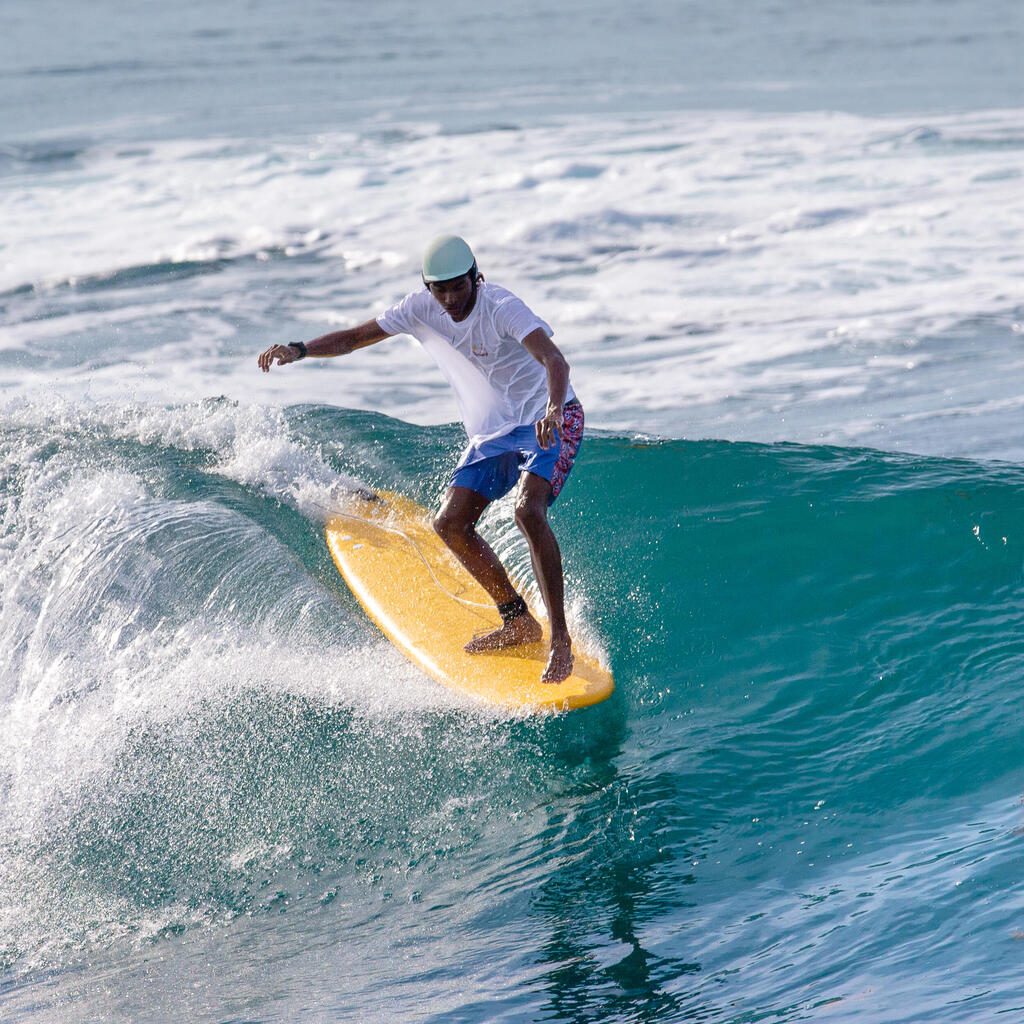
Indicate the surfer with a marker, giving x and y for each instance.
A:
(523, 420)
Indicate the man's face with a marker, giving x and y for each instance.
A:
(455, 296)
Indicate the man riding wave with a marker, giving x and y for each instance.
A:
(523, 419)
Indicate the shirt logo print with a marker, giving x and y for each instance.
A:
(479, 348)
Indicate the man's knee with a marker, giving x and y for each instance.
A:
(446, 526)
(532, 505)
(531, 516)
(458, 515)
(454, 529)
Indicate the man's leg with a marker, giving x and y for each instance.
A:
(456, 526)
(532, 519)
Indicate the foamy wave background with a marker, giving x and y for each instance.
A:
(799, 277)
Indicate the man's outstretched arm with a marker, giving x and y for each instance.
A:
(337, 343)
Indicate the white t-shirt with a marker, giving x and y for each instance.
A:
(498, 385)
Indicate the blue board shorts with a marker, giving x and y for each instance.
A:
(493, 468)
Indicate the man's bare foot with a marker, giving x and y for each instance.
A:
(523, 629)
(560, 662)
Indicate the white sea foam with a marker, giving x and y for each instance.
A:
(700, 271)
(112, 619)
(249, 444)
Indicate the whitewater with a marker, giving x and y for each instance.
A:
(755, 277)
(779, 246)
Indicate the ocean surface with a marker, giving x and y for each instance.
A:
(780, 244)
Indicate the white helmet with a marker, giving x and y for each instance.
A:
(447, 257)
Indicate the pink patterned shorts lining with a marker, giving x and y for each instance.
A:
(572, 435)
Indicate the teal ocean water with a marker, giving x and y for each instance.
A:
(779, 244)
(226, 798)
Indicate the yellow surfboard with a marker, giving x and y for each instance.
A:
(429, 606)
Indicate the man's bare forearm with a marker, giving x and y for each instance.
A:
(336, 343)
(340, 343)
(544, 350)
(558, 380)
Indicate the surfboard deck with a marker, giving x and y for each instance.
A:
(428, 606)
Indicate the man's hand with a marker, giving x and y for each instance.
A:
(550, 427)
(284, 354)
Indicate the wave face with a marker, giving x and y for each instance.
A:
(801, 802)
